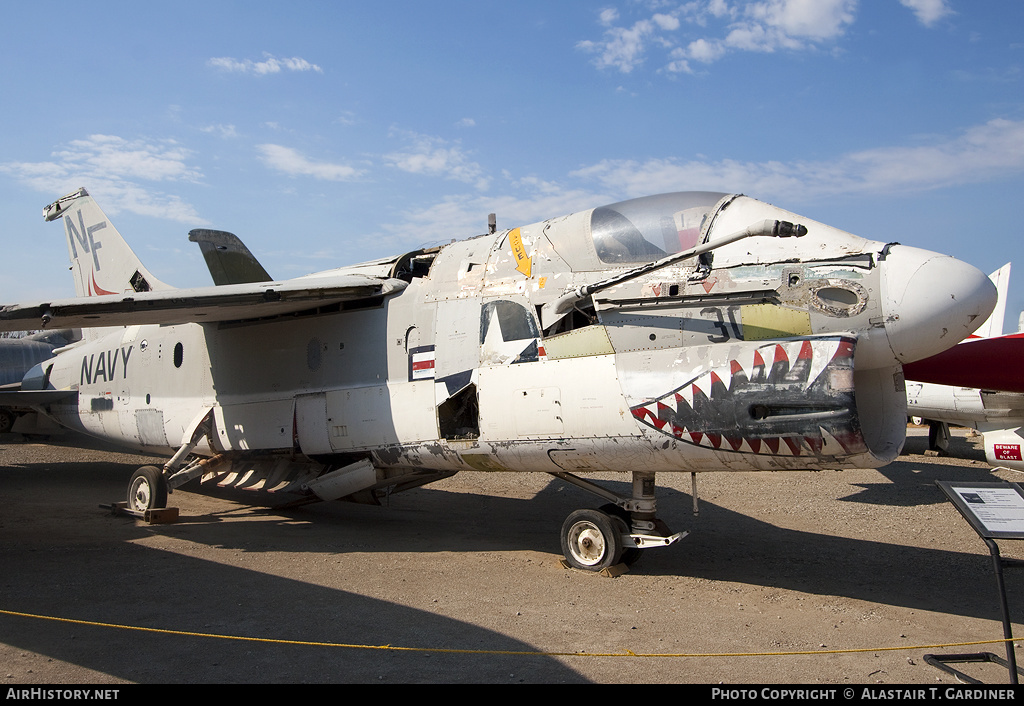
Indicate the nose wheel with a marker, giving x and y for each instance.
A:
(619, 532)
(591, 540)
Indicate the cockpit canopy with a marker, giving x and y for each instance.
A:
(649, 228)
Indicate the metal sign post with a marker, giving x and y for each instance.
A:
(995, 511)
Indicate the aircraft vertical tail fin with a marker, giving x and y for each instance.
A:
(101, 260)
(993, 325)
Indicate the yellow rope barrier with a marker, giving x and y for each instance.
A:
(520, 653)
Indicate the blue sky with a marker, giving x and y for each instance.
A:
(328, 133)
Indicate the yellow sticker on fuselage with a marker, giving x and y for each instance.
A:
(524, 263)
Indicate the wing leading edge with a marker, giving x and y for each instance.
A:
(199, 305)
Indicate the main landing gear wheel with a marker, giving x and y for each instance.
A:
(6, 420)
(147, 490)
(591, 540)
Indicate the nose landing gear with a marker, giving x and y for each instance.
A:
(591, 540)
(594, 540)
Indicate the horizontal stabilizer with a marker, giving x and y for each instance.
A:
(227, 258)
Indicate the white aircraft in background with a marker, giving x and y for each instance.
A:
(686, 332)
(17, 357)
(978, 384)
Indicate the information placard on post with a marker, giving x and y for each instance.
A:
(994, 510)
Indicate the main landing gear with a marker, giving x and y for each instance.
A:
(618, 532)
(148, 487)
(147, 490)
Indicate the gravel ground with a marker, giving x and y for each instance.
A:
(467, 573)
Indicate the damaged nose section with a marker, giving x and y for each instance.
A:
(930, 302)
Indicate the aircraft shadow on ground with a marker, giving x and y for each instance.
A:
(146, 587)
(915, 474)
(724, 545)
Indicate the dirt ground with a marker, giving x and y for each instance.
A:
(461, 581)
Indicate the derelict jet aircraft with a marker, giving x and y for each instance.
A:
(685, 332)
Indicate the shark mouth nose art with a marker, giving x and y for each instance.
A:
(786, 399)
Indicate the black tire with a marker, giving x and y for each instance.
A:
(630, 553)
(147, 490)
(7, 418)
(591, 540)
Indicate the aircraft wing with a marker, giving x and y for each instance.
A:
(30, 398)
(199, 305)
(1007, 404)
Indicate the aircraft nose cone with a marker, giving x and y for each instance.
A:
(931, 302)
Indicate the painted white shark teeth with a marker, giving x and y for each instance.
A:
(698, 412)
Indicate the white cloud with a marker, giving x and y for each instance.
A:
(129, 159)
(668, 23)
(706, 30)
(718, 8)
(774, 25)
(225, 131)
(621, 48)
(270, 65)
(293, 163)
(704, 51)
(981, 153)
(433, 156)
(631, 178)
(113, 169)
(608, 16)
(811, 19)
(457, 216)
(347, 117)
(928, 11)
